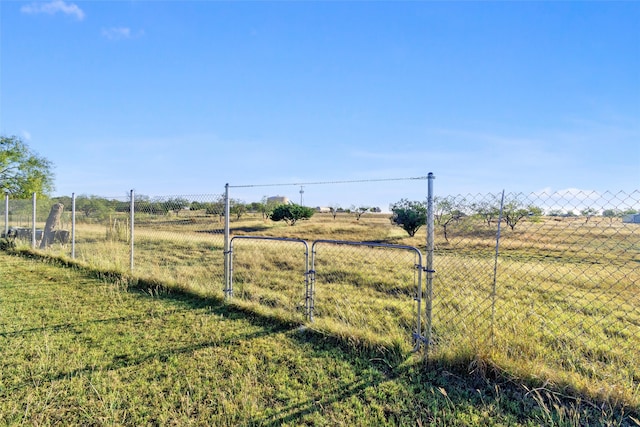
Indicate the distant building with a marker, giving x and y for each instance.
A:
(280, 200)
(323, 209)
(631, 219)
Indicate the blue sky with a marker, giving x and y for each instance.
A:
(178, 98)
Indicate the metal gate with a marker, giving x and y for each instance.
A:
(366, 286)
(271, 273)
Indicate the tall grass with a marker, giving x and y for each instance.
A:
(564, 311)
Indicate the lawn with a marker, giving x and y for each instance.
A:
(84, 348)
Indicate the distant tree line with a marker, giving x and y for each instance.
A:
(448, 211)
(409, 215)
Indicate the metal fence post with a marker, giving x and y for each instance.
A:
(73, 225)
(33, 223)
(131, 213)
(495, 274)
(228, 291)
(6, 213)
(429, 267)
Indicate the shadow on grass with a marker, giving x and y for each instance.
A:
(435, 387)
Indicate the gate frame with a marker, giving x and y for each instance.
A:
(308, 300)
(417, 334)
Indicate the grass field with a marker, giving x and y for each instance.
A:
(80, 349)
(561, 329)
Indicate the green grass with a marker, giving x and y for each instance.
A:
(78, 349)
(563, 321)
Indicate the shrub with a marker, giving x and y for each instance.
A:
(291, 213)
(409, 215)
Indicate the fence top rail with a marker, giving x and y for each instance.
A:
(369, 244)
(282, 239)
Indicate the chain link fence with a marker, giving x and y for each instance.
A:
(544, 280)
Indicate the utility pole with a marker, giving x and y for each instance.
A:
(301, 193)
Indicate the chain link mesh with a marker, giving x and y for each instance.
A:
(368, 291)
(563, 292)
(180, 239)
(554, 284)
(271, 273)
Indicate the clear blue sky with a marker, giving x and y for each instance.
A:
(178, 98)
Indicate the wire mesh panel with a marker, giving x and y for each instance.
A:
(20, 219)
(180, 239)
(271, 273)
(566, 290)
(463, 285)
(23, 220)
(366, 291)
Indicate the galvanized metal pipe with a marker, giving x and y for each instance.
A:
(132, 216)
(33, 223)
(73, 225)
(429, 267)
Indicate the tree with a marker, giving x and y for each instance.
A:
(611, 214)
(91, 206)
(359, 211)
(447, 211)
(176, 204)
(334, 209)
(265, 207)
(215, 208)
(22, 171)
(196, 206)
(409, 215)
(237, 208)
(291, 213)
(515, 210)
(588, 213)
(488, 210)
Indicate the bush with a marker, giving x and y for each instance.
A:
(409, 215)
(291, 213)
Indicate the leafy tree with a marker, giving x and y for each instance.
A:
(291, 213)
(91, 206)
(175, 204)
(409, 215)
(254, 207)
(215, 208)
(196, 206)
(488, 210)
(237, 208)
(22, 171)
(65, 200)
(515, 210)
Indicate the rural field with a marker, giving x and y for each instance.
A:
(546, 335)
(81, 348)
